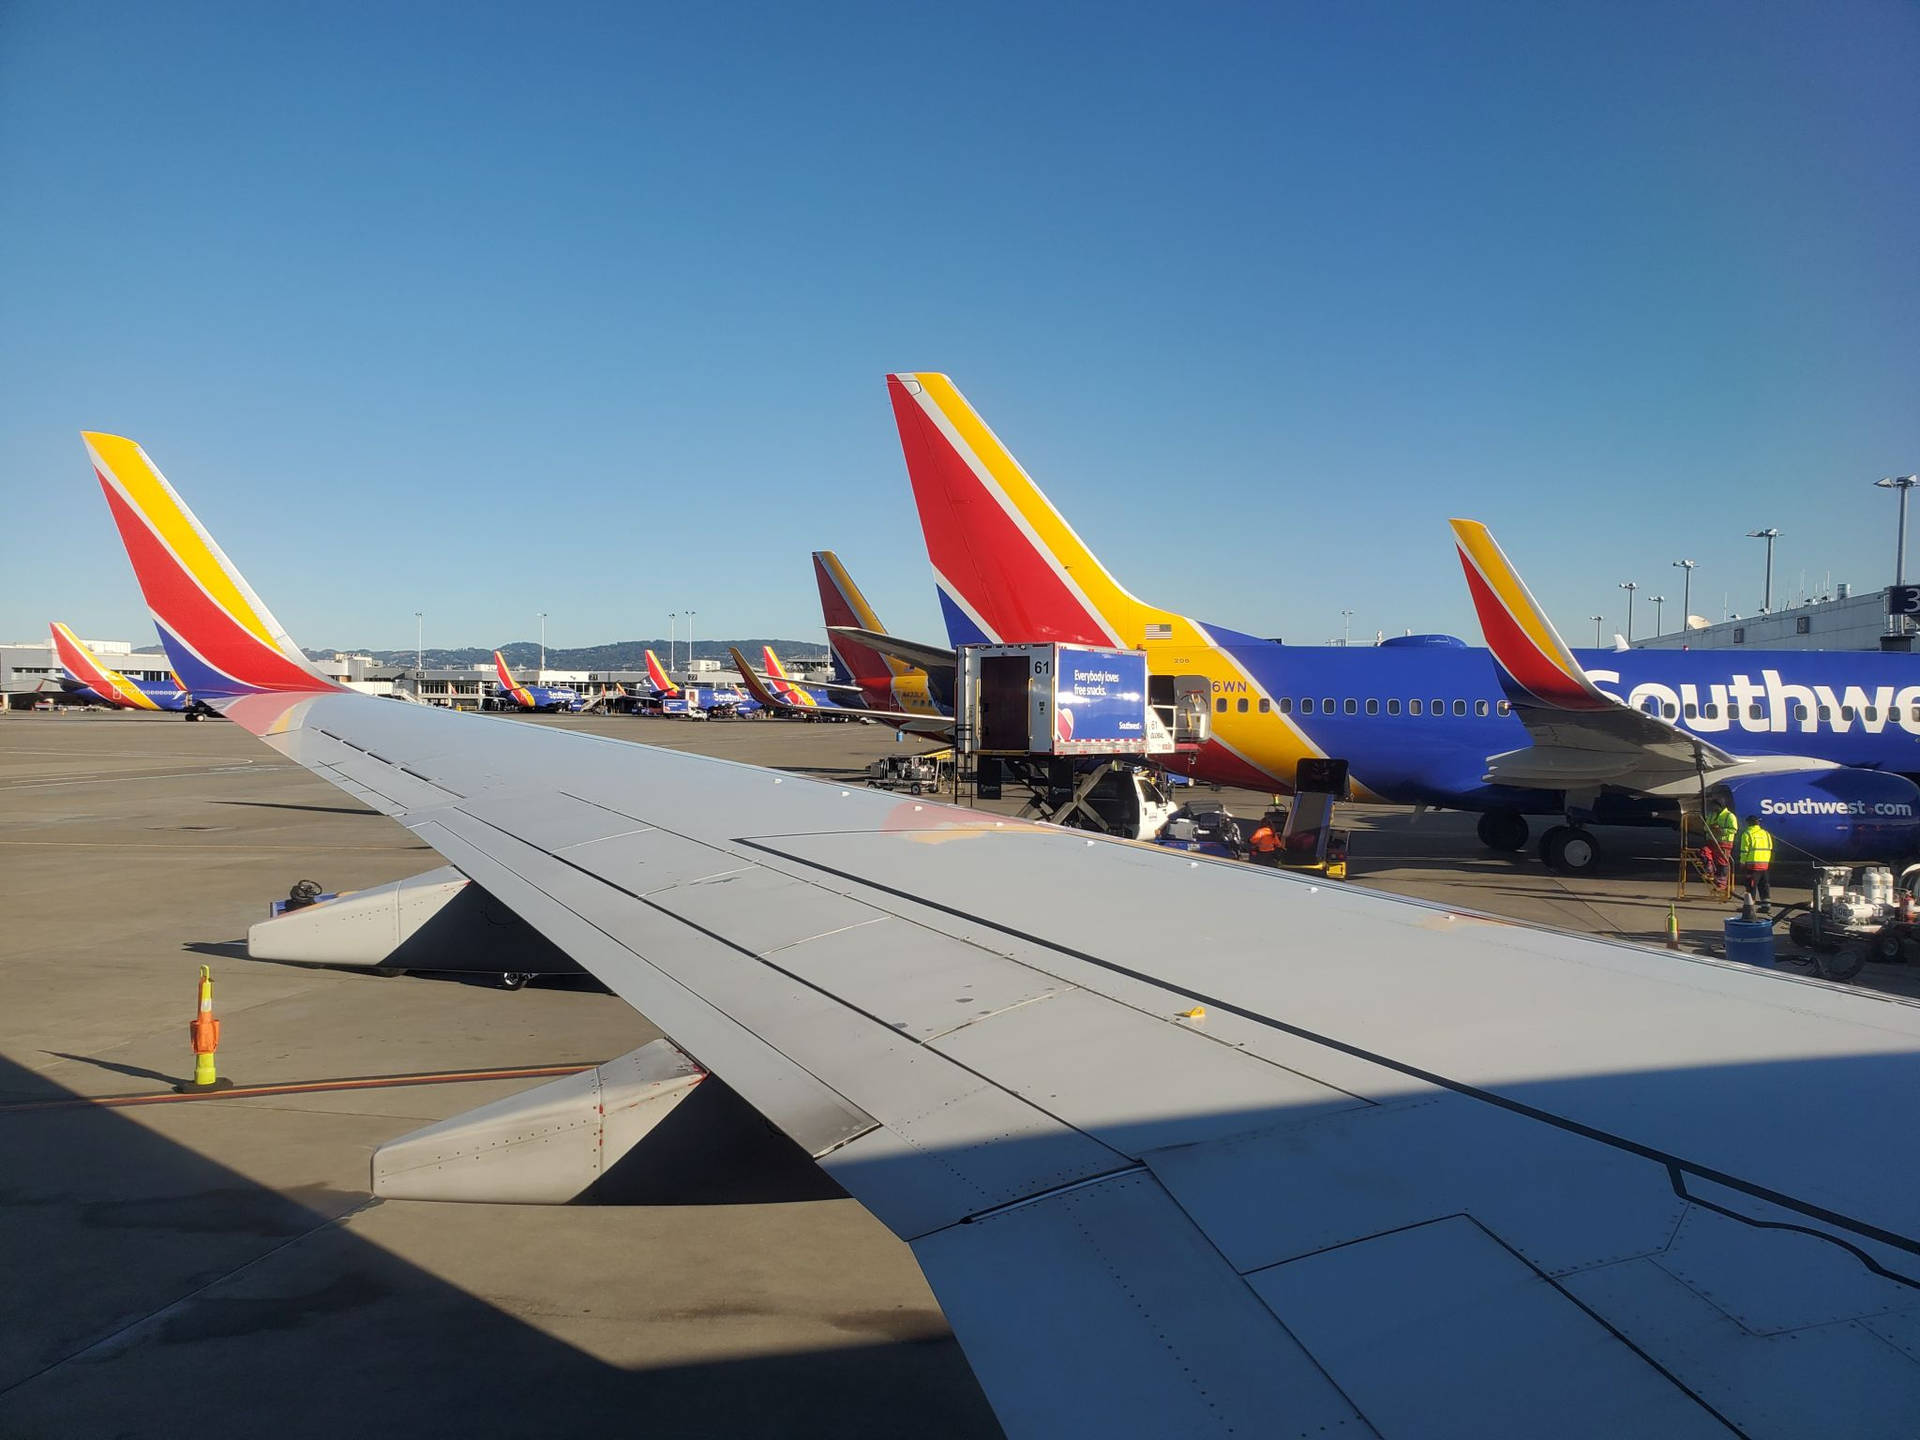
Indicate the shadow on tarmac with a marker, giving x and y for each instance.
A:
(154, 1292)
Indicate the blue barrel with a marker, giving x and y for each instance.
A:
(1750, 942)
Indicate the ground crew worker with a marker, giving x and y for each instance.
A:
(1754, 851)
(1718, 851)
(1265, 841)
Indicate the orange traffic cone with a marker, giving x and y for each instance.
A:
(204, 1031)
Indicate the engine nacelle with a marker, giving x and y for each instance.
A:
(1841, 814)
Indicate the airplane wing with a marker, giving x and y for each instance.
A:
(1582, 737)
(1186, 1147)
(932, 658)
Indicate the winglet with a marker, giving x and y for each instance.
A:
(657, 673)
(755, 687)
(1535, 660)
(221, 639)
(81, 663)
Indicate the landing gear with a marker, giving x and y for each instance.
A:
(1570, 850)
(1503, 830)
(514, 980)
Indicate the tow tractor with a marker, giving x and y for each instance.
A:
(915, 774)
(1859, 914)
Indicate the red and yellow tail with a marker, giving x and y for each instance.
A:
(657, 674)
(1536, 661)
(519, 692)
(221, 639)
(842, 606)
(1009, 567)
(780, 684)
(109, 684)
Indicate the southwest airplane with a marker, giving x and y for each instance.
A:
(534, 698)
(893, 676)
(780, 694)
(1182, 1146)
(693, 700)
(1817, 743)
(88, 678)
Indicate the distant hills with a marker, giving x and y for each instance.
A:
(619, 655)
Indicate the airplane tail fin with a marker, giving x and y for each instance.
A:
(500, 669)
(220, 638)
(81, 663)
(1535, 662)
(774, 667)
(1008, 565)
(657, 674)
(842, 606)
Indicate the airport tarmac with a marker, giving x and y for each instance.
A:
(215, 1266)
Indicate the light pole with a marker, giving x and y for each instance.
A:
(690, 615)
(1629, 586)
(1769, 535)
(673, 636)
(419, 640)
(543, 644)
(1685, 567)
(1598, 621)
(1902, 483)
(1346, 627)
(1657, 601)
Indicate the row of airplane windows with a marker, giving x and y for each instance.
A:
(1328, 706)
(1711, 711)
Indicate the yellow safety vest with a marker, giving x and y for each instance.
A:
(1721, 825)
(1756, 846)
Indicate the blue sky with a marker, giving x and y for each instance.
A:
(484, 310)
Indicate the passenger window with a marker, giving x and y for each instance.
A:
(1438, 707)
(1326, 705)
(1505, 707)
(1459, 707)
(1265, 705)
(1306, 706)
(1480, 707)
(1713, 712)
(1799, 712)
(1286, 705)
(1242, 707)
(1373, 707)
(1756, 711)
(1872, 712)
(1846, 711)
(1413, 707)
(1220, 705)
(1693, 712)
(1668, 711)
(1825, 714)
(1393, 707)
(1353, 707)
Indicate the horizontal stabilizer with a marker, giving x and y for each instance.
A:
(931, 658)
(544, 1146)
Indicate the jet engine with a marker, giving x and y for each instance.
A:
(1845, 813)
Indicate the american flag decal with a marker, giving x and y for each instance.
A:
(1159, 632)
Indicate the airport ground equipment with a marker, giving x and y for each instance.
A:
(438, 921)
(1311, 841)
(545, 1146)
(1204, 830)
(915, 774)
(1859, 913)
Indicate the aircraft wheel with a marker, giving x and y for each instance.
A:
(513, 980)
(1549, 840)
(1572, 851)
(1503, 830)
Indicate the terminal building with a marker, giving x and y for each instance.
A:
(1845, 621)
(30, 671)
